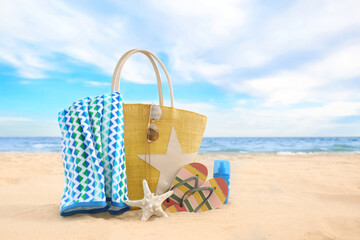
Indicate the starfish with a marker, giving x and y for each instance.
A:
(151, 203)
(169, 163)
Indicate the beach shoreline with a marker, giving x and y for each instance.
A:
(272, 196)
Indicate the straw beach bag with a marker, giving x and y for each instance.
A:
(180, 135)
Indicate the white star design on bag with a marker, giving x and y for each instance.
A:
(169, 163)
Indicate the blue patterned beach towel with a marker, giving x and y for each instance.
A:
(93, 156)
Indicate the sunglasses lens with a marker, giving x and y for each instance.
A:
(152, 133)
(155, 113)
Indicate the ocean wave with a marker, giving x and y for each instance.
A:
(296, 153)
(280, 146)
(44, 145)
(314, 153)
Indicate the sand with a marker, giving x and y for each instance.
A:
(271, 197)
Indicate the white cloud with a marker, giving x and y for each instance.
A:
(192, 29)
(242, 102)
(203, 22)
(329, 111)
(96, 83)
(34, 33)
(304, 26)
(317, 81)
(214, 41)
(341, 64)
(268, 122)
(233, 34)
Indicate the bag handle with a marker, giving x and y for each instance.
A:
(115, 85)
(157, 74)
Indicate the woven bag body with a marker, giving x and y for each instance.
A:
(181, 132)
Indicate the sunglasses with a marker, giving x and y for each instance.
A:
(154, 116)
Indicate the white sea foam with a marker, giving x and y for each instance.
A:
(294, 153)
(44, 145)
(314, 153)
(243, 152)
(283, 146)
(280, 146)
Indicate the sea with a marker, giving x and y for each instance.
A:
(276, 145)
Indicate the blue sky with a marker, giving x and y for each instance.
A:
(255, 68)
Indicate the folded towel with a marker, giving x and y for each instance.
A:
(93, 156)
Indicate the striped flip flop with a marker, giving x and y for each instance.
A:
(211, 195)
(189, 177)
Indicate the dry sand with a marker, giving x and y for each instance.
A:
(271, 197)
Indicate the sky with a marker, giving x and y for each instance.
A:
(254, 68)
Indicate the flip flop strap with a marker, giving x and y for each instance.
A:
(198, 190)
(187, 180)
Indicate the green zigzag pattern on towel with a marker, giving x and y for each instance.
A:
(112, 136)
(93, 150)
(81, 184)
(116, 143)
(106, 141)
(89, 170)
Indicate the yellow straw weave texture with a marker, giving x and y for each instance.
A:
(189, 127)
